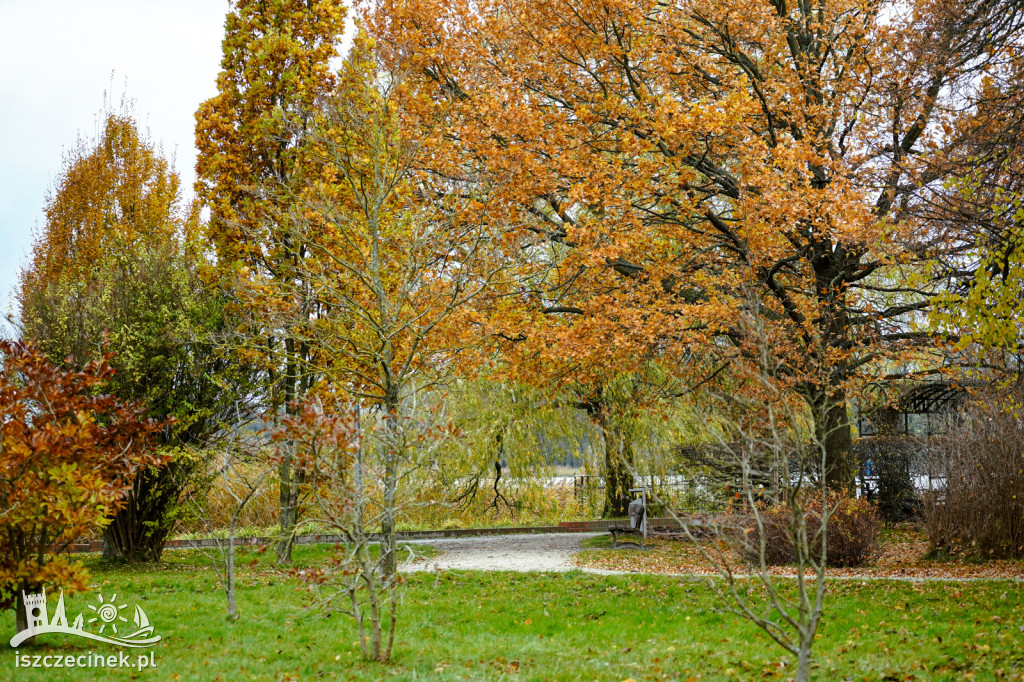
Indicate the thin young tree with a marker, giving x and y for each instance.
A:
(241, 469)
(349, 453)
(393, 260)
(770, 439)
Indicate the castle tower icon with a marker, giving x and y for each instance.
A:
(35, 610)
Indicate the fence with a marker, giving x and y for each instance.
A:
(677, 492)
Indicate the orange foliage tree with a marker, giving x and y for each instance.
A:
(115, 193)
(276, 65)
(116, 268)
(666, 160)
(393, 264)
(68, 455)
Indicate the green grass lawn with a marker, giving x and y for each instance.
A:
(490, 626)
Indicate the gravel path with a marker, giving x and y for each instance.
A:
(553, 552)
(535, 552)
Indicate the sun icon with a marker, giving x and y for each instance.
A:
(108, 614)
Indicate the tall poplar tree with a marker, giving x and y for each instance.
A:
(276, 65)
(116, 268)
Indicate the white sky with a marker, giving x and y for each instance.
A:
(58, 58)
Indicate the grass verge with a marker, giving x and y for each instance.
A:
(573, 626)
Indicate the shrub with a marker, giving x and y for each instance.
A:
(890, 459)
(68, 454)
(852, 532)
(979, 508)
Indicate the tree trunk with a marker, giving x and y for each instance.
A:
(229, 584)
(618, 463)
(375, 634)
(832, 428)
(803, 664)
(392, 622)
(20, 617)
(387, 524)
(286, 514)
(831, 421)
(139, 530)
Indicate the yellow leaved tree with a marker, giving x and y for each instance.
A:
(276, 65)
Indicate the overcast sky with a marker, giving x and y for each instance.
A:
(59, 57)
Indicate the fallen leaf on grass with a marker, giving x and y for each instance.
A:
(901, 555)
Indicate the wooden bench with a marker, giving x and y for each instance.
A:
(616, 531)
(637, 513)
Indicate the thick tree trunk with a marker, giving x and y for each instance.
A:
(618, 463)
(832, 428)
(139, 530)
(831, 421)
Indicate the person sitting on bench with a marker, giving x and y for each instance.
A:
(637, 511)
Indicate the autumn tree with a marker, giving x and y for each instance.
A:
(115, 192)
(117, 268)
(68, 455)
(609, 369)
(985, 205)
(394, 263)
(672, 156)
(275, 66)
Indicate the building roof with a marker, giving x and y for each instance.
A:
(936, 396)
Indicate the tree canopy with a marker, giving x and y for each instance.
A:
(677, 163)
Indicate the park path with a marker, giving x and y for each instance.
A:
(554, 551)
(534, 552)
